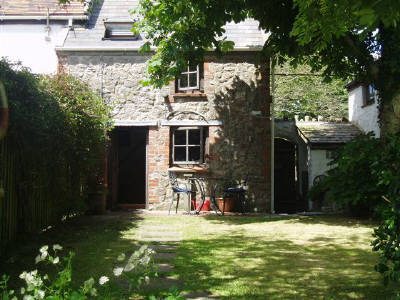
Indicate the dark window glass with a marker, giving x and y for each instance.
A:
(180, 137)
(193, 80)
(183, 81)
(180, 154)
(194, 153)
(194, 137)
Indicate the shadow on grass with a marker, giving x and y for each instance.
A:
(95, 240)
(240, 267)
(330, 220)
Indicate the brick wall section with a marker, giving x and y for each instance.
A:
(157, 164)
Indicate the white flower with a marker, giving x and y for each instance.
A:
(121, 257)
(44, 249)
(57, 247)
(44, 255)
(56, 260)
(38, 259)
(145, 260)
(118, 271)
(147, 279)
(40, 294)
(22, 291)
(28, 297)
(23, 275)
(103, 280)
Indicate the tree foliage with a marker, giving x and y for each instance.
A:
(57, 135)
(300, 92)
(344, 36)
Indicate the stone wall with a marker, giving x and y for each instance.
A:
(235, 93)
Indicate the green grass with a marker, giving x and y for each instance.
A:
(234, 257)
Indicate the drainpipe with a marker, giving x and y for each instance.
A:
(272, 113)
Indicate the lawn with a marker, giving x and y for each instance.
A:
(231, 257)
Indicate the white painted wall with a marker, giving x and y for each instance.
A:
(365, 117)
(318, 164)
(27, 43)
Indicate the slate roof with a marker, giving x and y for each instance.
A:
(325, 133)
(39, 8)
(245, 34)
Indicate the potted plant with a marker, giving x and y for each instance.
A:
(226, 203)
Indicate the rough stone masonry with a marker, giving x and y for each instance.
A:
(235, 94)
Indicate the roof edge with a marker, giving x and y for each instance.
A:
(43, 17)
(133, 48)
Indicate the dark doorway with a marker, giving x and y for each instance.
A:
(285, 176)
(128, 170)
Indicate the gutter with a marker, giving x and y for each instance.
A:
(40, 18)
(132, 48)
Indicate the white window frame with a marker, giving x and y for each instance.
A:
(119, 30)
(187, 73)
(187, 145)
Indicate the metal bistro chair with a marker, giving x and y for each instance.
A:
(178, 189)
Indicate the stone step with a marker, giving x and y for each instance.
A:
(163, 239)
(164, 267)
(164, 256)
(163, 248)
(199, 295)
(163, 284)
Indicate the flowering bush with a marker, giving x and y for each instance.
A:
(137, 269)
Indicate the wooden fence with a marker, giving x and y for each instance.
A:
(26, 202)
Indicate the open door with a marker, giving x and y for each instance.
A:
(128, 170)
(285, 176)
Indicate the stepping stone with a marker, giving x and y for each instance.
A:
(165, 256)
(199, 295)
(164, 284)
(160, 239)
(164, 268)
(163, 248)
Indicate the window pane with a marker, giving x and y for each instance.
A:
(180, 154)
(183, 83)
(192, 79)
(194, 153)
(193, 68)
(180, 137)
(194, 137)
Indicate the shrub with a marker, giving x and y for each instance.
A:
(56, 141)
(366, 177)
(354, 181)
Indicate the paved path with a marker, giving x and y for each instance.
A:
(165, 239)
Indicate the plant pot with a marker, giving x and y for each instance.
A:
(97, 203)
(229, 204)
(206, 206)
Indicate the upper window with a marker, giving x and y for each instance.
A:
(188, 145)
(370, 95)
(190, 80)
(119, 30)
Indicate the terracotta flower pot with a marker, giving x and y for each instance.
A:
(229, 204)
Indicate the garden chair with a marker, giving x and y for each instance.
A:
(178, 189)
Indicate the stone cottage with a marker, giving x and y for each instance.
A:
(213, 120)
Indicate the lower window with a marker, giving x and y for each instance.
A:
(188, 145)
